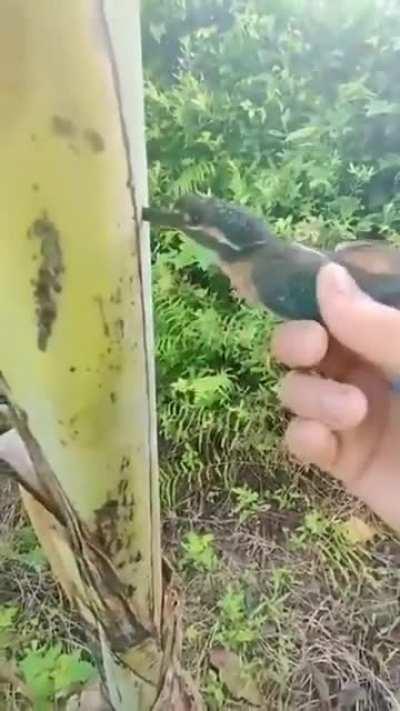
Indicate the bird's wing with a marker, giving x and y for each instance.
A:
(370, 256)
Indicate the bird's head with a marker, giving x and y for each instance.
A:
(227, 229)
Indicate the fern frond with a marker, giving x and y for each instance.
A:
(194, 177)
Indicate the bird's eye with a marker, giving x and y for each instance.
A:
(195, 219)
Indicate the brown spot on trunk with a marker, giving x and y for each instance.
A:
(106, 328)
(106, 519)
(48, 283)
(94, 140)
(63, 126)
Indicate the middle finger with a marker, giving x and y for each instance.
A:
(339, 406)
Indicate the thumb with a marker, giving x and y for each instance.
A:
(367, 327)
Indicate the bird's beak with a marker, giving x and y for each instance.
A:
(163, 218)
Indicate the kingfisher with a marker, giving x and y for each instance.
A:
(266, 270)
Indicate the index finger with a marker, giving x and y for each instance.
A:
(300, 344)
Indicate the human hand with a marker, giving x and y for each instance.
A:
(347, 414)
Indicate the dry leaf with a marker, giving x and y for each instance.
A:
(322, 687)
(236, 679)
(9, 675)
(358, 531)
(351, 694)
(91, 698)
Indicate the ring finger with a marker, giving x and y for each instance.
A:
(339, 406)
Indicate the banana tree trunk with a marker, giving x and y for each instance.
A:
(76, 348)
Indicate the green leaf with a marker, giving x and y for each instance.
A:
(346, 206)
(7, 616)
(35, 558)
(237, 679)
(303, 135)
(71, 669)
(37, 667)
(381, 107)
(199, 551)
(157, 31)
(190, 253)
(48, 671)
(206, 389)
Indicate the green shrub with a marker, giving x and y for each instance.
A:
(292, 108)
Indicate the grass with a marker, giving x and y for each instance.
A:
(41, 640)
(269, 574)
(313, 614)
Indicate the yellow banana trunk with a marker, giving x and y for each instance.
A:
(76, 347)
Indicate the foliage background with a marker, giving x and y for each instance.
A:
(291, 107)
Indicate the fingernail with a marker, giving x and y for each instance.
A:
(337, 279)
